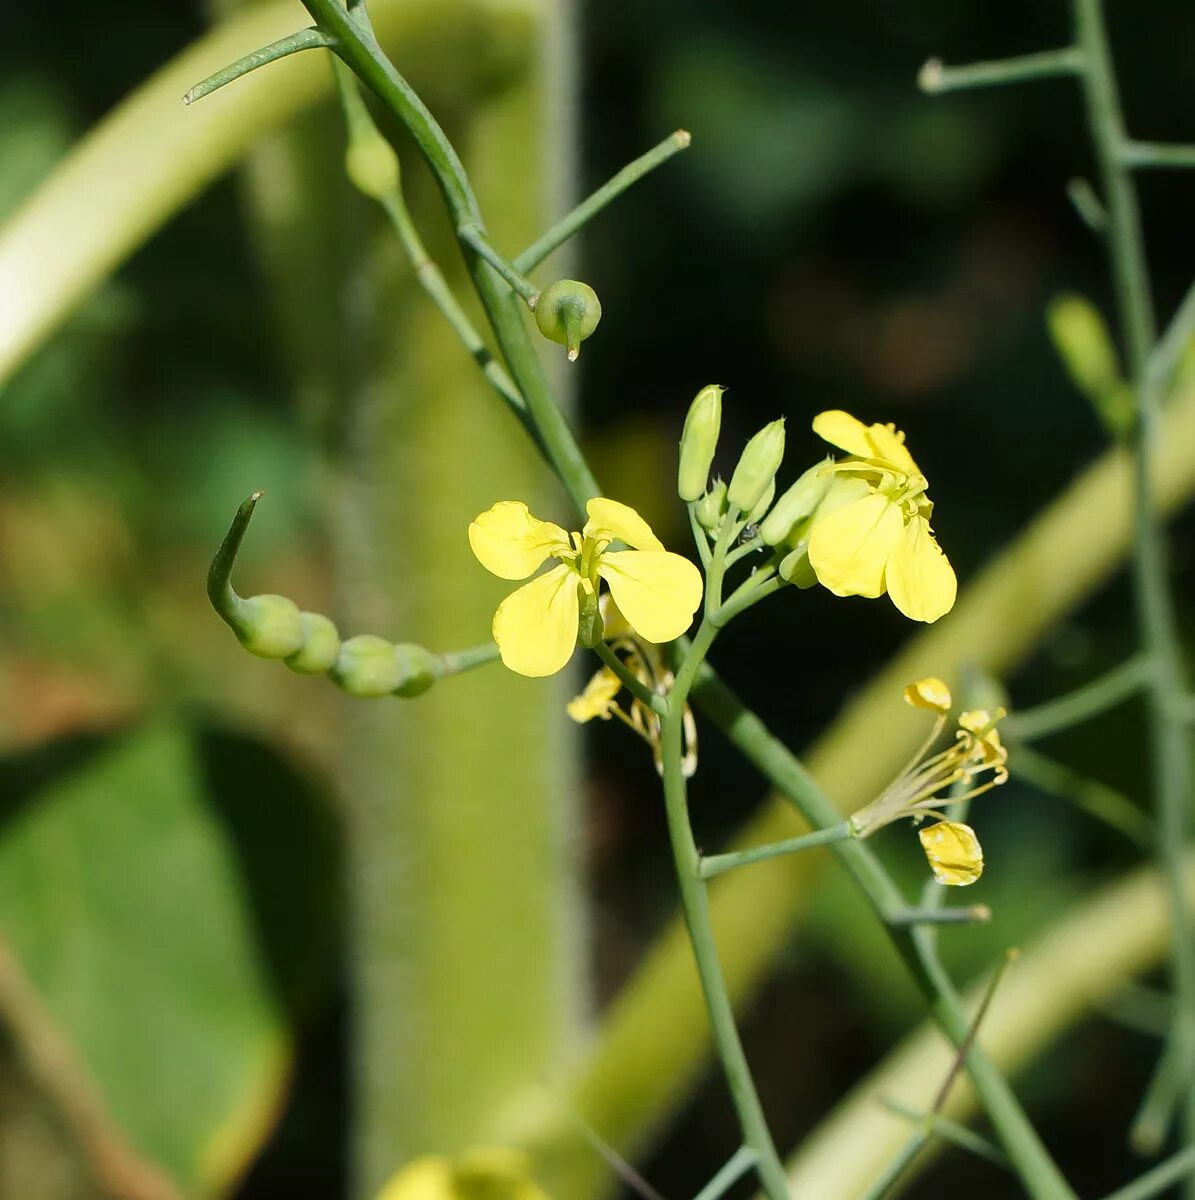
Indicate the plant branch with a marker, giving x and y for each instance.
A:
(564, 229)
(305, 39)
(716, 864)
(936, 78)
(1083, 703)
(473, 236)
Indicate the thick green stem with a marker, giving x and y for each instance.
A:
(1172, 770)
(695, 905)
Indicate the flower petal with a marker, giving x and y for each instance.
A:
(536, 627)
(844, 431)
(920, 578)
(849, 548)
(597, 699)
(657, 591)
(929, 693)
(608, 519)
(889, 444)
(954, 853)
(510, 543)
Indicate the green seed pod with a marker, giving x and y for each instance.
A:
(698, 441)
(367, 666)
(320, 648)
(765, 502)
(796, 504)
(567, 312)
(418, 669)
(711, 506)
(757, 466)
(269, 626)
(372, 165)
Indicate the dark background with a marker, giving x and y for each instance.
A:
(832, 239)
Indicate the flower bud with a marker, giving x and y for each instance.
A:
(1085, 346)
(796, 504)
(320, 647)
(711, 506)
(367, 666)
(757, 466)
(698, 441)
(269, 626)
(567, 312)
(795, 567)
(418, 669)
(765, 502)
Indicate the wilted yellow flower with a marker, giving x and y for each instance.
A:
(976, 760)
(482, 1173)
(536, 626)
(872, 534)
(646, 663)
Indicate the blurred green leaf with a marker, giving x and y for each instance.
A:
(166, 900)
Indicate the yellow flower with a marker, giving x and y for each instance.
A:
(536, 626)
(872, 534)
(976, 760)
(481, 1173)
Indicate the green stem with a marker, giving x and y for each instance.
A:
(1155, 612)
(739, 1163)
(305, 39)
(762, 584)
(1174, 343)
(975, 914)
(695, 905)
(952, 1131)
(590, 207)
(1157, 154)
(1083, 703)
(1153, 1183)
(716, 864)
(891, 1174)
(459, 661)
(935, 78)
(473, 236)
(653, 700)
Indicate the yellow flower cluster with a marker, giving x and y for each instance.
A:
(975, 762)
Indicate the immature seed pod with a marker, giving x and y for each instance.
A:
(418, 669)
(698, 441)
(757, 467)
(371, 164)
(711, 506)
(567, 312)
(269, 626)
(320, 647)
(797, 503)
(367, 666)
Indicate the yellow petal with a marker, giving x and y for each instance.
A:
(954, 853)
(920, 578)
(844, 431)
(657, 591)
(536, 627)
(597, 699)
(889, 444)
(929, 693)
(510, 543)
(609, 520)
(427, 1178)
(614, 624)
(849, 548)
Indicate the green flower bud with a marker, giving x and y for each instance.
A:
(567, 312)
(757, 466)
(320, 648)
(796, 568)
(367, 666)
(269, 626)
(418, 669)
(711, 506)
(1084, 344)
(765, 502)
(797, 503)
(698, 441)
(371, 164)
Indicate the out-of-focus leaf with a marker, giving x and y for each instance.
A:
(150, 959)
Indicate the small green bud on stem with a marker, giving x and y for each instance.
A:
(763, 504)
(796, 504)
(698, 441)
(567, 312)
(757, 467)
(711, 506)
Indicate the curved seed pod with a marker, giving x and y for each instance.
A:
(418, 669)
(567, 312)
(757, 467)
(320, 647)
(367, 666)
(698, 441)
